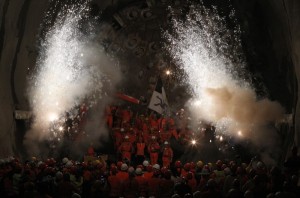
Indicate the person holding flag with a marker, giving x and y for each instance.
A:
(159, 102)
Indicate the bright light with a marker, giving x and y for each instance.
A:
(240, 133)
(196, 103)
(193, 142)
(60, 128)
(168, 72)
(52, 117)
(221, 138)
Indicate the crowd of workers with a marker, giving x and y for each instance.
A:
(148, 136)
(145, 167)
(96, 178)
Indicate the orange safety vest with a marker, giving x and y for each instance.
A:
(140, 148)
(168, 152)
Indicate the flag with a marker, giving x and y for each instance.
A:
(128, 98)
(159, 102)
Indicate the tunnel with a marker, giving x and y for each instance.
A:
(134, 33)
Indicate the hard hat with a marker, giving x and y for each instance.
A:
(149, 168)
(187, 166)
(199, 164)
(145, 163)
(124, 167)
(156, 166)
(138, 171)
(69, 164)
(131, 170)
(65, 160)
(178, 164)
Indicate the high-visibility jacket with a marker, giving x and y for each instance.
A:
(192, 184)
(153, 147)
(153, 184)
(126, 115)
(167, 156)
(143, 185)
(148, 175)
(130, 187)
(162, 123)
(122, 175)
(165, 135)
(126, 150)
(140, 148)
(115, 186)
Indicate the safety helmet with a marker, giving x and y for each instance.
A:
(187, 166)
(124, 167)
(178, 164)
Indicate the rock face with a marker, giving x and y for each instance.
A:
(271, 41)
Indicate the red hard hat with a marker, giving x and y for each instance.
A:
(149, 168)
(187, 166)
(193, 165)
(119, 164)
(114, 169)
(178, 164)
(163, 170)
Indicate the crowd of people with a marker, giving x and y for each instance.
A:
(145, 166)
(96, 178)
(147, 136)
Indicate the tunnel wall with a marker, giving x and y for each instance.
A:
(19, 27)
(271, 41)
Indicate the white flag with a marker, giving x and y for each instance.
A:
(159, 102)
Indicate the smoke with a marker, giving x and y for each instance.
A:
(211, 56)
(71, 69)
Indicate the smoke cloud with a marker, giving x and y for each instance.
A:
(211, 56)
(71, 69)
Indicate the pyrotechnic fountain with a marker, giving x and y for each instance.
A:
(71, 68)
(211, 56)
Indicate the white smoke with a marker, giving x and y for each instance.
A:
(210, 55)
(70, 68)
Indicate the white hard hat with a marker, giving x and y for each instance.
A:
(156, 166)
(166, 142)
(138, 171)
(69, 164)
(124, 167)
(145, 163)
(65, 160)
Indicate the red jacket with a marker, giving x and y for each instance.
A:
(115, 186)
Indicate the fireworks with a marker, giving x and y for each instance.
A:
(210, 55)
(193, 142)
